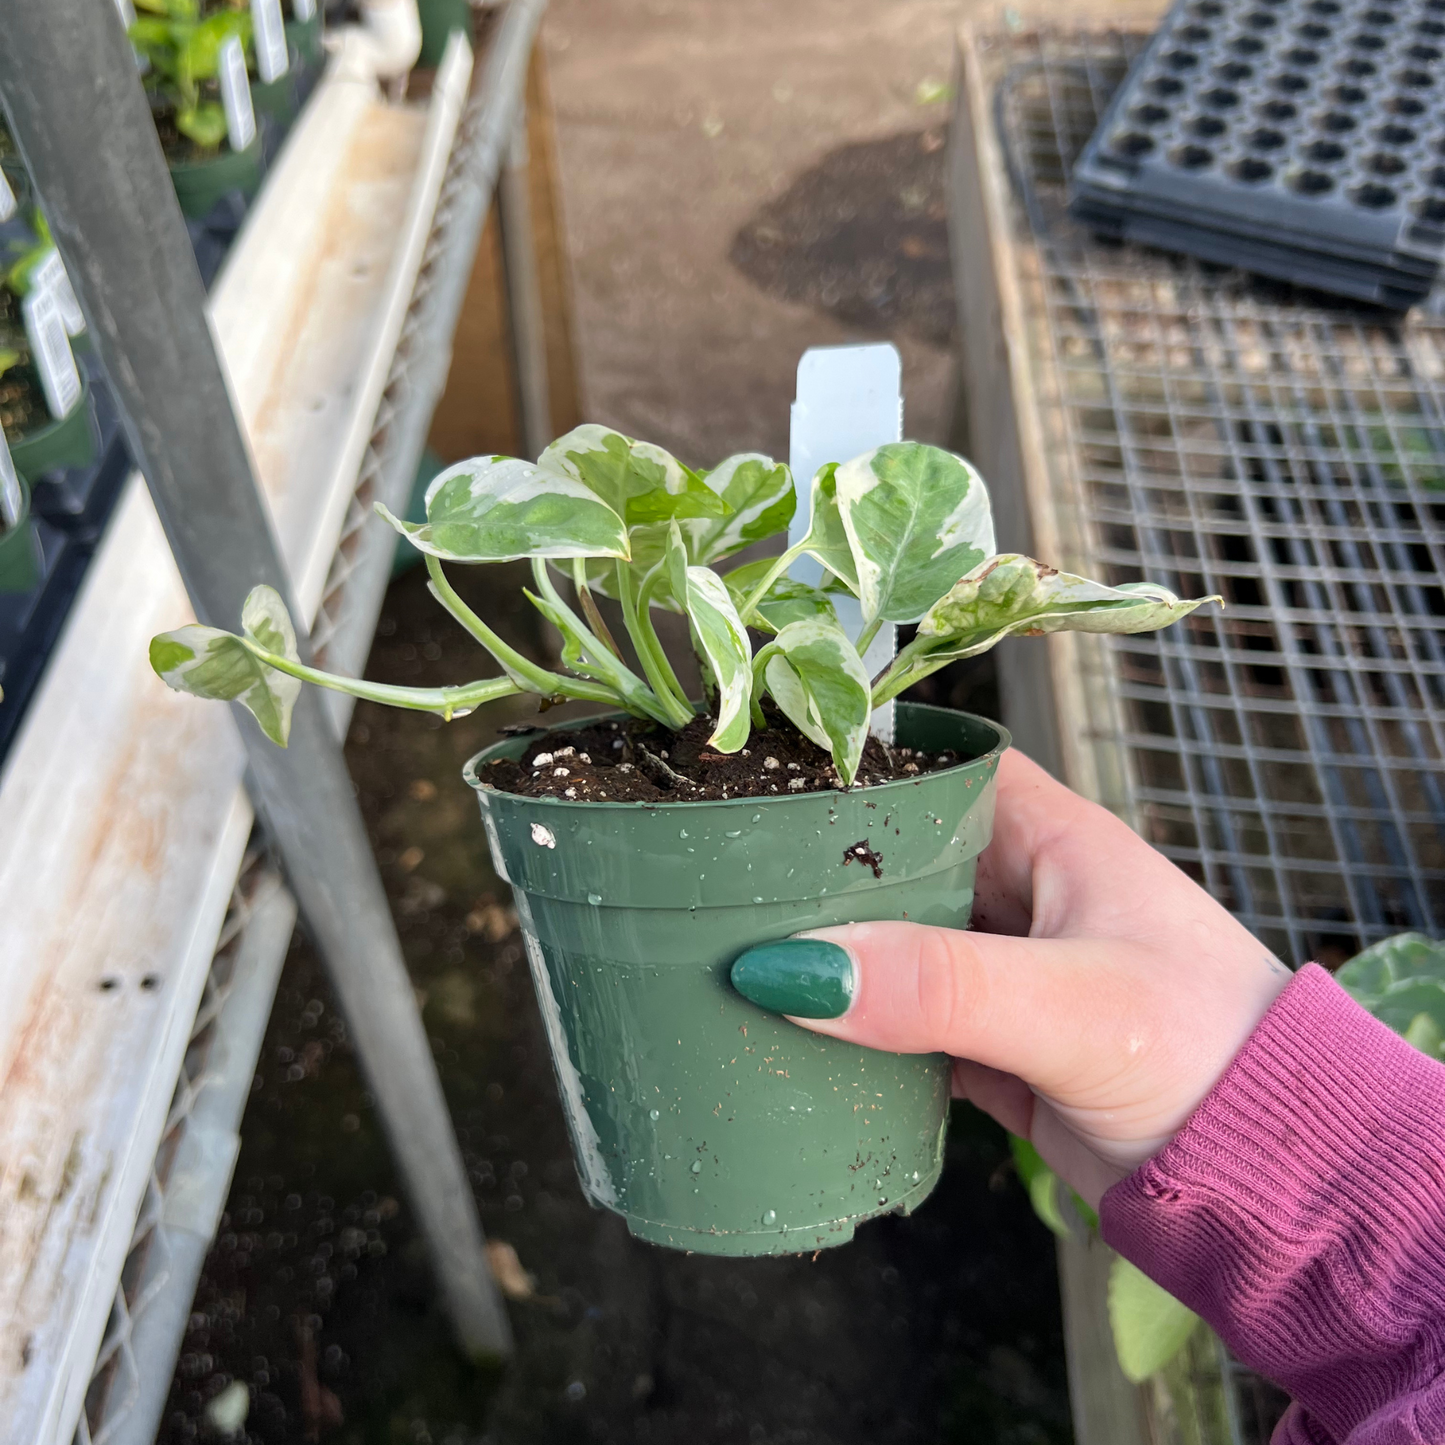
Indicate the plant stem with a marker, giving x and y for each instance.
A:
(654, 642)
(590, 611)
(585, 653)
(911, 665)
(769, 577)
(525, 673)
(761, 658)
(867, 635)
(450, 702)
(649, 651)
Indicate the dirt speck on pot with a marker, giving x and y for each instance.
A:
(860, 852)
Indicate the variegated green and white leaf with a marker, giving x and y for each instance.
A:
(206, 662)
(917, 519)
(827, 539)
(721, 641)
(787, 600)
(499, 509)
(760, 493)
(817, 678)
(1011, 593)
(1150, 1326)
(641, 482)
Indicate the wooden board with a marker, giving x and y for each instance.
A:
(122, 818)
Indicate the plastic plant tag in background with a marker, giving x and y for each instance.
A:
(236, 95)
(303, 10)
(7, 199)
(849, 400)
(271, 58)
(50, 275)
(11, 501)
(50, 346)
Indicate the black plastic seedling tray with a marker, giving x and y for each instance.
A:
(1311, 130)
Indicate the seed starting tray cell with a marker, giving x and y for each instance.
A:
(1319, 120)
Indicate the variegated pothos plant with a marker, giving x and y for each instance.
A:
(906, 528)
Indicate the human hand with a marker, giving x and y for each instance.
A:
(1099, 998)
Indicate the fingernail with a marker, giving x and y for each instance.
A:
(808, 978)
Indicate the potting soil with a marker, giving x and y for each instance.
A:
(638, 762)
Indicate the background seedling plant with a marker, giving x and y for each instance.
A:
(184, 50)
(906, 528)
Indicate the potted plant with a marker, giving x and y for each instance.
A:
(184, 49)
(653, 844)
(38, 441)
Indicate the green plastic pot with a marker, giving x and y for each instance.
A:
(69, 442)
(20, 550)
(438, 19)
(707, 1123)
(303, 37)
(276, 99)
(200, 184)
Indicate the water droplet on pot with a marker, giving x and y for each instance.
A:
(757, 817)
(737, 834)
(594, 899)
(757, 900)
(654, 1114)
(682, 833)
(697, 1166)
(770, 1216)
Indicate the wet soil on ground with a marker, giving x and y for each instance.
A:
(317, 1294)
(639, 762)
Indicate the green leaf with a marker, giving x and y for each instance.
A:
(917, 519)
(721, 641)
(817, 678)
(787, 600)
(1401, 981)
(1041, 1183)
(200, 52)
(1150, 1326)
(204, 123)
(7, 360)
(640, 482)
(827, 539)
(498, 509)
(759, 492)
(206, 662)
(1044, 1188)
(1011, 593)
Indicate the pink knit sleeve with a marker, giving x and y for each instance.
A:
(1301, 1211)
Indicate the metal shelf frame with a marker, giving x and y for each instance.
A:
(128, 1282)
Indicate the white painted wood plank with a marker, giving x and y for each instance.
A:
(122, 819)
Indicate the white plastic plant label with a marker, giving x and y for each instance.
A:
(271, 59)
(50, 347)
(236, 95)
(50, 275)
(11, 501)
(7, 199)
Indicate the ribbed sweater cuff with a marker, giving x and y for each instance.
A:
(1301, 1211)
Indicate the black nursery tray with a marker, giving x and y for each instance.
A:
(1309, 124)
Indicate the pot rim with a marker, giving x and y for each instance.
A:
(1003, 741)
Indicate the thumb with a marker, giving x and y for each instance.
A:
(1045, 1010)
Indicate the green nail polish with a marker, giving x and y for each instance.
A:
(808, 978)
